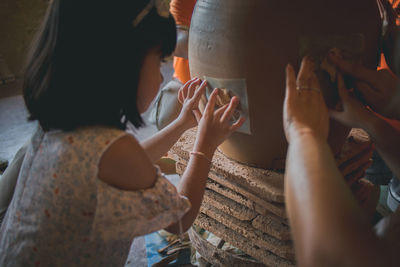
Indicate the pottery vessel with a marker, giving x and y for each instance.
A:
(251, 41)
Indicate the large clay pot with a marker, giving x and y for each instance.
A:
(253, 40)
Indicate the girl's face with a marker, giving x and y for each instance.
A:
(150, 79)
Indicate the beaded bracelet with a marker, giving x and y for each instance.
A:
(196, 153)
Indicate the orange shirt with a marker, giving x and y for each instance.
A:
(182, 11)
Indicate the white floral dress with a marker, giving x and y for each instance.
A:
(63, 215)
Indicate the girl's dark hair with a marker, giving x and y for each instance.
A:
(84, 66)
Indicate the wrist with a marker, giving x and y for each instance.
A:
(207, 149)
(181, 124)
(306, 133)
(202, 155)
(297, 130)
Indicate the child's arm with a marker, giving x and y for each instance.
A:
(125, 165)
(214, 128)
(189, 95)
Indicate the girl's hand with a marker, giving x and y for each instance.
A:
(215, 126)
(354, 114)
(304, 108)
(189, 96)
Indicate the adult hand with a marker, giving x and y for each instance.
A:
(304, 106)
(189, 96)
(378, 88)
(355, 114)
(215, 125)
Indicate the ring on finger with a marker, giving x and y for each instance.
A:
(307, 88)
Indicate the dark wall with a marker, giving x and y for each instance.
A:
(19, 20)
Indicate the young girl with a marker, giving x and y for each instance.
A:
(86, 188)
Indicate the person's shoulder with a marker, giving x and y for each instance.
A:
(125, 165)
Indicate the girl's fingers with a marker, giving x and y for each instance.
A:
(181, 99)
(199, 92)
(192, 88)
(230, 110)
(185, 88)
(211, 102)
(219, 112)
(237, 124)
(197, 114)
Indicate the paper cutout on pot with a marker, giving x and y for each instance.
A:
(228, 89)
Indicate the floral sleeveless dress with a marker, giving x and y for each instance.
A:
(63, 215)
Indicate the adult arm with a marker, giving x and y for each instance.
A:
(327, 225)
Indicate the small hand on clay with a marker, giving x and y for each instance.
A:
(215, 126)
(189, 96)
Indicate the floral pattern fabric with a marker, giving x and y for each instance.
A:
(63, 215)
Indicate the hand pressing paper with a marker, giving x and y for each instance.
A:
(229, 88)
